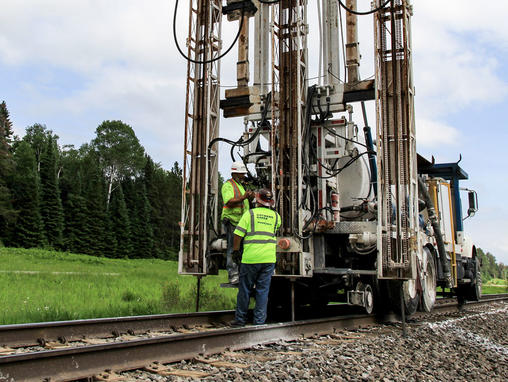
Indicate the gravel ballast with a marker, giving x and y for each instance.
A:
(470, 345)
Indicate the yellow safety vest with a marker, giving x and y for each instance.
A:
(232, 190)
(258, 227)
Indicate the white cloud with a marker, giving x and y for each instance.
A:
(123, 56)
(431, 133)
(83, 35)
(485, 21)
(489, 227)
(451, 73)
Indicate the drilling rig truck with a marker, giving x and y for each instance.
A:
(365, 219)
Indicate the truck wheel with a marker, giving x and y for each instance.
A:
(473, 290)
(411, 296)
(368, 298)
(429, 282)
(476, 283)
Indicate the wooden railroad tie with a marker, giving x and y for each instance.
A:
(160, 369)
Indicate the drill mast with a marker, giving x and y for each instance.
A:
(200, 166)
(283, 108)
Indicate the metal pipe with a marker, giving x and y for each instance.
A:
(352, 51)
(424, 193)
(403, 310)
(370, 146)
(292, 300)
(198, 292)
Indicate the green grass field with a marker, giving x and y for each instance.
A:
(38, 285)
(495, 286)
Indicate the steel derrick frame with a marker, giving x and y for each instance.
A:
(289, 88)
(396, 145)
(199, 199)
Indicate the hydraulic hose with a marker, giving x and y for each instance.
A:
(424, 193)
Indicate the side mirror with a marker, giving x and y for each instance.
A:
(473, 203)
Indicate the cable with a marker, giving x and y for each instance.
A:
(269, 1)
(213, 59)
(348, 163)
(347, 139)
(363, 13)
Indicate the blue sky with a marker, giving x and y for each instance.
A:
(72, 64)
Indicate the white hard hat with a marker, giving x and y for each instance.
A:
(239, 168)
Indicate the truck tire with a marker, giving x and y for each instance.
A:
(411, 296)
(473, 290)
(429, 283)
(476, 284)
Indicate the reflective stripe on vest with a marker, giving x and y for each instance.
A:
(236, 193)
(253, 232)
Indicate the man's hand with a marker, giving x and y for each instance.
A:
(249, 194)
(237, 256)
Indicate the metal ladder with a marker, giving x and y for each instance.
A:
(396, 146)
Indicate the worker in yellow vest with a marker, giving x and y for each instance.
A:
(236, 203)
(257, 227)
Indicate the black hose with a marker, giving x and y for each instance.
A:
(206, 61)
(363, 13)
(370, 146)
(424, 193)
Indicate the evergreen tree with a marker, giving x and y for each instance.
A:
(96, 217)
(120, 223)
(73, 202)
(110, 242)
(175, 204)
(7, 212)
(28, 231)
(51, 204)
(142, 233)
(152, 181)
(6, 124)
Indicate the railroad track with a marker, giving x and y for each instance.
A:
(62, 351)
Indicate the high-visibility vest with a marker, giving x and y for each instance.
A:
(258, 227)
(233, 214)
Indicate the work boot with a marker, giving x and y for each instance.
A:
(236, 324)
(234, 279)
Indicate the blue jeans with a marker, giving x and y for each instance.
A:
(259, 275)
(231, 266)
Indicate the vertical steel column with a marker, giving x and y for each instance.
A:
(396, 146)
(352, 51)
(289, 71)
(199, 199)
(331, 48)
(261, 48)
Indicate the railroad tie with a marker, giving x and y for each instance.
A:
(5, 350)
(109, 376)
(160, 369)
(217, 363)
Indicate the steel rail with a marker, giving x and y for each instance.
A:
(23, 335)
(20, 335)
(453, 306)
(82, 362)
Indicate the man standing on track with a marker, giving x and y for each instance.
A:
(236, 203)
(257, 227)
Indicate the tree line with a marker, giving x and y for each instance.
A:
(490, 269)
(105, 198)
